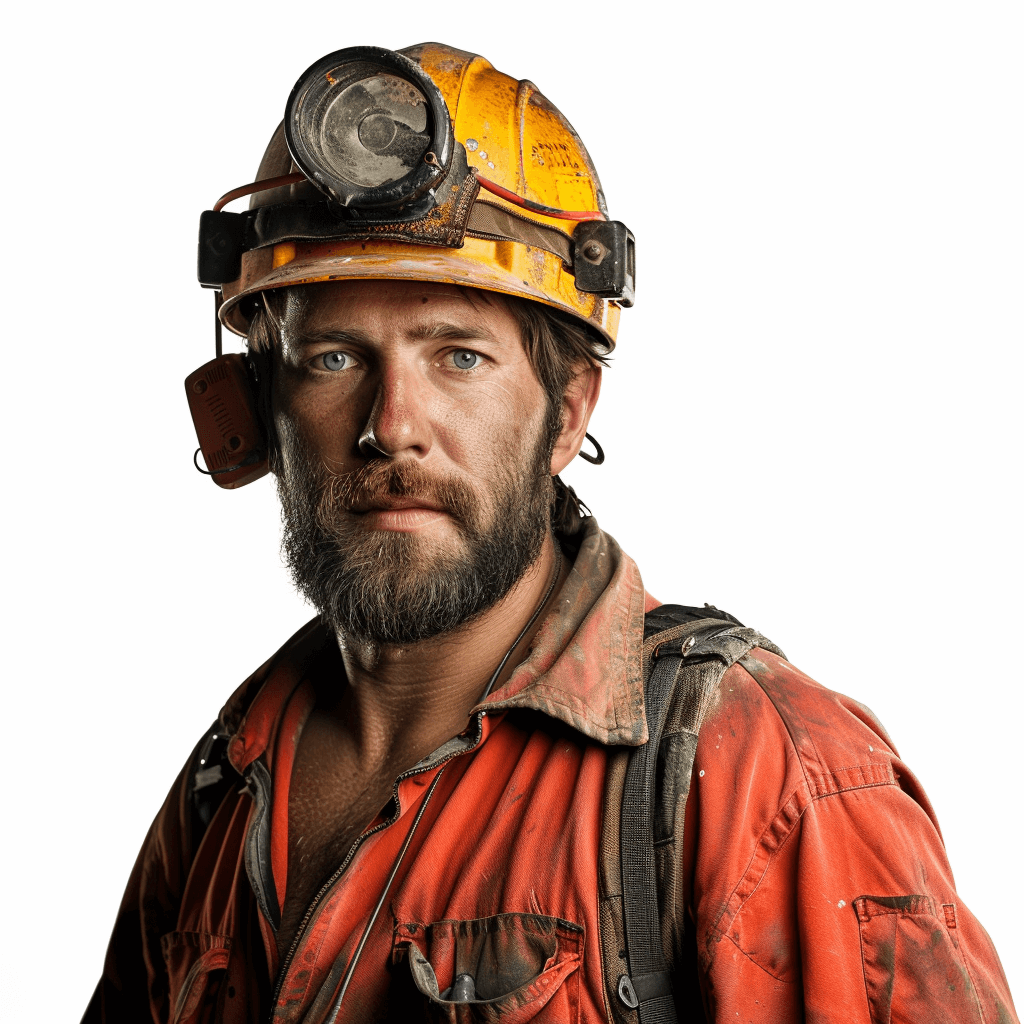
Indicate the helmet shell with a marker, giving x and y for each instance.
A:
(514, 137)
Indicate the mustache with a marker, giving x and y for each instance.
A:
(373, 483)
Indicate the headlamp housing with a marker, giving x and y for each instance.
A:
(369, 128)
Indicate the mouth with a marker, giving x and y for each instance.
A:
(405, 514)
(401, 504)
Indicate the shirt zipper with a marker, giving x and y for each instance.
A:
(329, 884)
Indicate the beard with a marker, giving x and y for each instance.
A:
(389, 587)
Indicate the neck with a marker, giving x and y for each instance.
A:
(403, 702)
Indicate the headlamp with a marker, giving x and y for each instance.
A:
(369, 128)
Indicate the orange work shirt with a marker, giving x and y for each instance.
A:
(815, 880)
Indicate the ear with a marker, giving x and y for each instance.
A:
(577, 406)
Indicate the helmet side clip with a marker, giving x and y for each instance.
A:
(604, 260)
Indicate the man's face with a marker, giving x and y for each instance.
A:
(399, 547)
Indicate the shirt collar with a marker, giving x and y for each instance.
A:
(585, 665)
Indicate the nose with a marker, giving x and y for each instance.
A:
(398, 422)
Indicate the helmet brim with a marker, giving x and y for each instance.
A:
(503, 267)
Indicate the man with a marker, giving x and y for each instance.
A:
(412, 810)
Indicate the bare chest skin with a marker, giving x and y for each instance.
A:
(331, 801)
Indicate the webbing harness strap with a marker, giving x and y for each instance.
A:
(673, 681)
(648, 987)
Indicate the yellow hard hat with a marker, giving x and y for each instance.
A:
(424, 164)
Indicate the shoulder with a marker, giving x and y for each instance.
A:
(784, 741)
(812, 846)
(771, 709)
(251, 709)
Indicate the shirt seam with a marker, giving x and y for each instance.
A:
(815, 797)
(782, 718)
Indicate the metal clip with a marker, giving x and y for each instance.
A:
(627, 993)
(463, 990)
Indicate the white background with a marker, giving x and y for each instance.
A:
(813, 418)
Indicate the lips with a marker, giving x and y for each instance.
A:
(394, 492)
(396, 504)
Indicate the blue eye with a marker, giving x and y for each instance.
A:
(464, 359)
(334, 360)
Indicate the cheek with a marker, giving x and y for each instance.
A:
(501, 423)
(321, 424)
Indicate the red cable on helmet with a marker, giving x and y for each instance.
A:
(485, 183)
(528, 204)
(257, 186)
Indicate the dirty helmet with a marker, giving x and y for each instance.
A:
(422, 164)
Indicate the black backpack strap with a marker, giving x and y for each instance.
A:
(212, 777)
(686, 652)
(670, 616)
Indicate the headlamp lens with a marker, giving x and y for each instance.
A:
(373, 131)
(359, 124)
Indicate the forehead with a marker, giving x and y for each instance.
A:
(389, 308)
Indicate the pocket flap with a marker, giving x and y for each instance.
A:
(191, 959)
(517, 963)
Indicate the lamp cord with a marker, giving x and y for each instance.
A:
(526, 628)
(350, 970)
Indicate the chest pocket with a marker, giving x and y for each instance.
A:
(196, 966)
(505, 969)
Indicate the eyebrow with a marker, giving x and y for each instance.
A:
(446, 331)
(303, 335)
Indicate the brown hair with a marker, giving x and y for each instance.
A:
(558, 346)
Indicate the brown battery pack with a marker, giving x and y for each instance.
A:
(223, 410)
